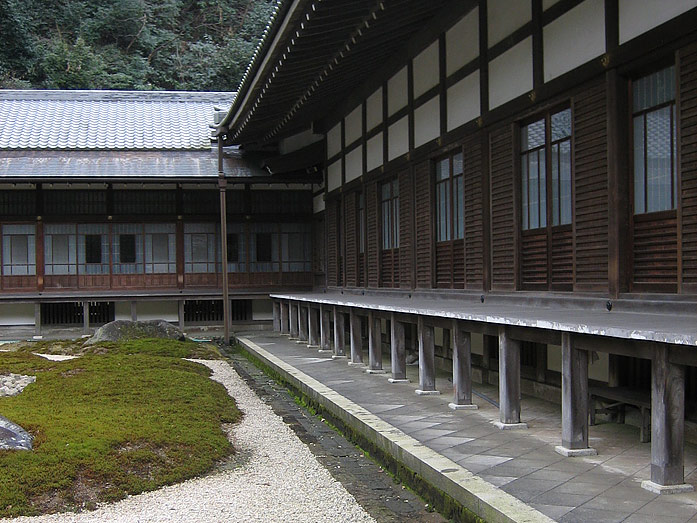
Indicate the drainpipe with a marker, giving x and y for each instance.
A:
(222, 185)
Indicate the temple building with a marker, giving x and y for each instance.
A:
(508, 189)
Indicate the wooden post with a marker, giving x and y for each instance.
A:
(313, 327)
(293, 309)
(285, 325)
(180, 312)
(427, 360)
(374, 345)
(339, 334)
(356, 340)
(398, 351)
(509, 382)
(574, 400)
(86, 317)
(222, 185)
(302, 323)
(134, 311)
(667, 425)
(324, 330)
(462, 368)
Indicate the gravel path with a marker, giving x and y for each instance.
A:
(275, 478)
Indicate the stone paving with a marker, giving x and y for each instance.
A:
(602, 488)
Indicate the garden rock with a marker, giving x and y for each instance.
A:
(13, 384)
(13, 437)
(121, 330)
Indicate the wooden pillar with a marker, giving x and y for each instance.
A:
(509, 382)
(180, 312)
(356, 340)
(276, 316)
(574, 400)
(40, 259)
(222, 186)
(374, 345)
(462, 368)
(293, 309)
(134, 311)
(667, 425)
(86, 317)
(285, 325)
(489, 346)
(427, 360)
(324, 329)
(339, 334)
(37, 319)
(313, 327)
(398, 351)
(302, 323)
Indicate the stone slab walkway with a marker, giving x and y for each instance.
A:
(602, 488)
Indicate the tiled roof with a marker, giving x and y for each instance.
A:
(108, 120)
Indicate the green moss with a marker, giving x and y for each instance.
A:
(106, 425)
(439, 500)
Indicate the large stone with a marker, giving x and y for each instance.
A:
(13, 437)
(120, 330)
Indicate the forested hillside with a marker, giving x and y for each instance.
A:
(198, 45)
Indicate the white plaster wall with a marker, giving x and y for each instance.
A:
(374, 152)
(17, 314)
(354, 164)
(463, 101)
(426, 69)
(334, 176)
(262, 310)
(353, 125)
(298, 141)
(477, 343)
(373, 110)
(638, 17)
(462, 42)
(397, 91)
(510, 74)
(318, 203)
(122, 310)
(158, 310)
(554, 358)
(574, 38)
(600, 369)
(546, 4)
(334, 144)
(427, 122)
(398, 138)
(505, 16)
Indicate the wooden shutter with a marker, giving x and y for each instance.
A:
(372, 238)
(406, 230)
(351, 239)
(332, 247)
(590, 174)
(503, 227)
(474, 224)
(423, 227)
(688, 164)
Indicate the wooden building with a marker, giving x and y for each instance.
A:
(512, 184)
(110, 209)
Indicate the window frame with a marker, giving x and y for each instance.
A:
(389, 208)
(454, 210)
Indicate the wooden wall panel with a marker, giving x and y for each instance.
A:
(332, 247)
(590, 188)
(319, 242)
(503, 229)
(424, 224)
(351, 240)
(562, 258)
(372, 239)
(688, 164)
(406, 230)
(655, 245)
(474, 215)
(533, 259)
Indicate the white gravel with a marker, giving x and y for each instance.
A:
(276, 478)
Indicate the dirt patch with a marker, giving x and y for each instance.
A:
(49, 502)
(72, 372)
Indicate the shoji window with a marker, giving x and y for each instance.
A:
(450, 206)
(18, 250)
(200, 247)
(60, 249)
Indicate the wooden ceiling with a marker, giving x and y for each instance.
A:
(326, 49)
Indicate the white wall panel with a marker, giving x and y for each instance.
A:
(17, 314)
(638, 17)
(398, 138)
(505, 16)
(318, 203)
(546, 4)
(427, 122)
(463, 101)
(158, 310)
(354, 164)
(353, 125)
(262, 310)
(510, 74)
(122, 310)
(334, 144)
(334, 176)
(374, 152)
(426, 69)
(373, 109)
(397, 91)
(574, 38)
(298, 141)
(462, 42)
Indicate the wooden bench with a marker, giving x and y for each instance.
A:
(619, 397)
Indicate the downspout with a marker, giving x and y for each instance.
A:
(222, 185)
